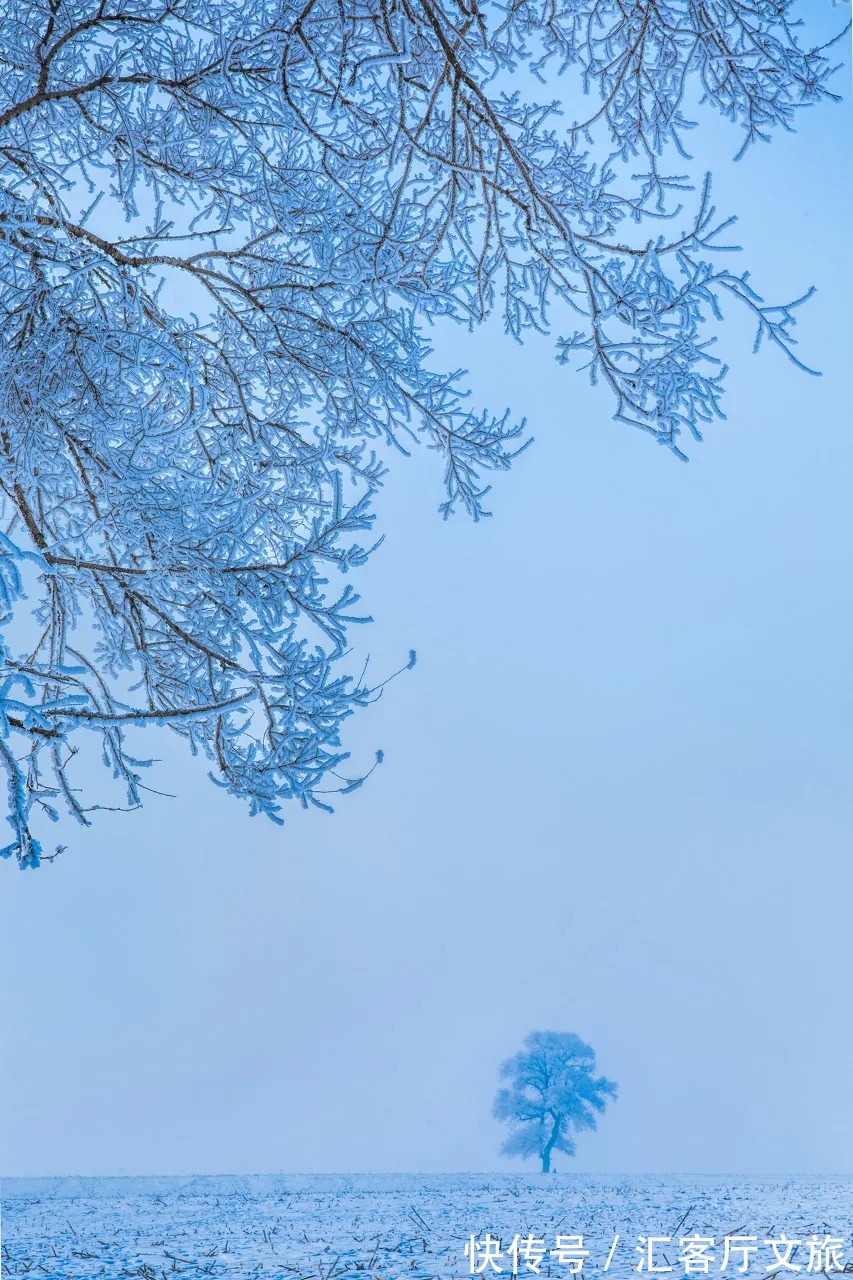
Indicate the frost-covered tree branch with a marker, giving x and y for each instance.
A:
(223, 229)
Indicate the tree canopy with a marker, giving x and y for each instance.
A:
(552, 1090)
(224, 230)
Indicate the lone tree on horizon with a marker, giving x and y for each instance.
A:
(225, 231)
(552, 1090)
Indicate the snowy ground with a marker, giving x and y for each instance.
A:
(389, 1226)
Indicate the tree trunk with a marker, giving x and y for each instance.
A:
(549, 1145)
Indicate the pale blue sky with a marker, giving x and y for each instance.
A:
(616, 800)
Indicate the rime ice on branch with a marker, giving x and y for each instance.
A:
(223, 228)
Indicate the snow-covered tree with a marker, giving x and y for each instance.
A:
(552, 1091)
(223, 230)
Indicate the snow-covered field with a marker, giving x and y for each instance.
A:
(410, 1225)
